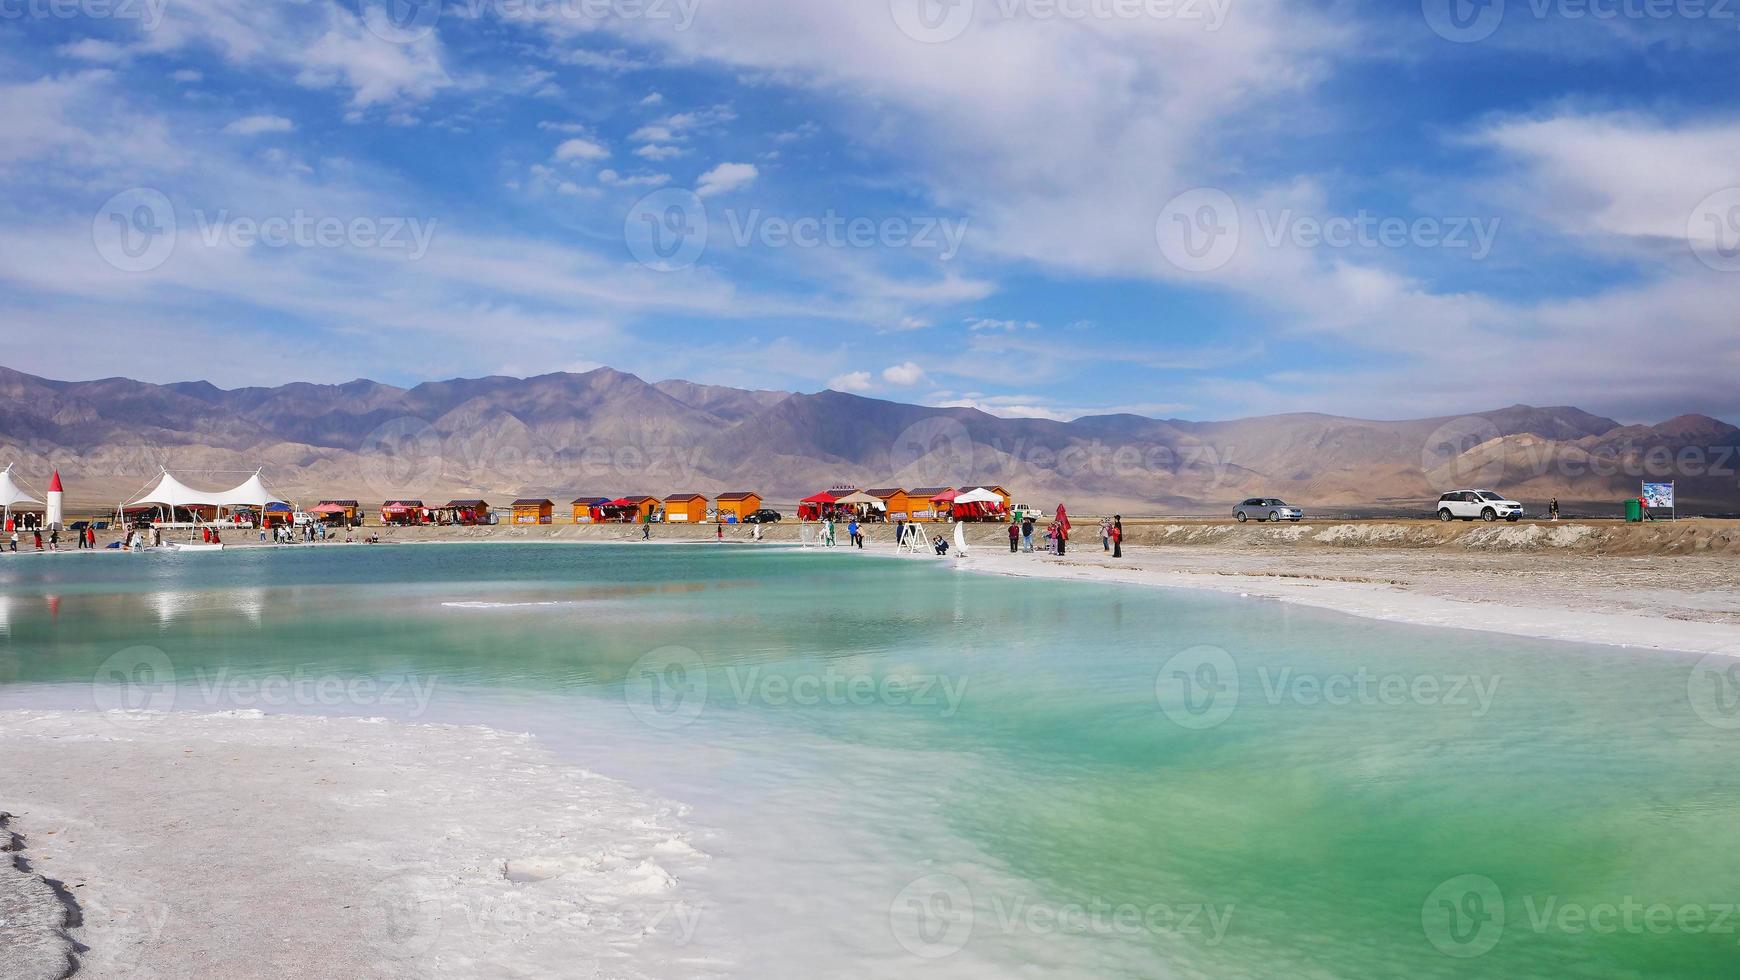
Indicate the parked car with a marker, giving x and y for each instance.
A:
(1021, 512)
(1484, 504)
(763, 516)
(1267, 509)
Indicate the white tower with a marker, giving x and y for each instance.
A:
(55, 498)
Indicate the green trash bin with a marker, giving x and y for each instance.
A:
(1633, 511)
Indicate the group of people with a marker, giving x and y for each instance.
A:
(308, 533)
(85, 537)
(24, 520)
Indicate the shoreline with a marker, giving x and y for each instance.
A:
(1429, 588)
(1573, 582)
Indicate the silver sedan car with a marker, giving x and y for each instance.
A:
(1267, 509)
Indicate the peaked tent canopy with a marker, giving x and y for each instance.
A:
(11, 493)
(979, 496)
(252, 493)
(820, 498)
(171, 492)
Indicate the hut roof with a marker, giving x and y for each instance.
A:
(534, 502)
(675, 497)
(885, 493)
(928, 491)
(738, 495)
(592, 501)
(468, 503)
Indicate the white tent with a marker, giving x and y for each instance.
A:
(979, 496)
(253, 494)
(170, 492)
(859, 497)
(11, 494)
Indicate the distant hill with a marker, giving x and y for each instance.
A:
(607, 432)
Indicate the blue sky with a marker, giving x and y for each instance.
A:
(1192, 208)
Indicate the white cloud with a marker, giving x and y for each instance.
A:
(725, 178)
(904, 375)
(187, 76)
(1007, 326)
(256, 125)
(1621, 175)
(615, 179)
(653, 98)
(653, 151)
(910, 322)
(852, 381)
(653, 133)
(562, 127)
(580, 149)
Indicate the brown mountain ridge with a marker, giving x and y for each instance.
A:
(608, 432)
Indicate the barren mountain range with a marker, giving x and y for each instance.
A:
(606, 432)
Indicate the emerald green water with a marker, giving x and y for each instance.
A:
(906, 768)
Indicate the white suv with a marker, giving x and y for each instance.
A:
(1484, 504)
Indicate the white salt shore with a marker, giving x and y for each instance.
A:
(1500, 596)
(239, 845)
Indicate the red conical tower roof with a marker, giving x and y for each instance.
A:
(54, 484)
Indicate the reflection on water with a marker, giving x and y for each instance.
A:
(1237, 788)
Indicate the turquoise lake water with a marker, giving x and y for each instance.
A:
(905, 770)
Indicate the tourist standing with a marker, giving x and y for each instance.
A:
(1027, 534)
(1105, 534)
(1116, 533)
(36, 536)
(1014, 537)
(1553, 509)
(719, 533)
(1062, 529)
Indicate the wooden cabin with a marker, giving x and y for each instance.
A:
(924, 505)
(632, 509)
(348, 508)
(686, 508)
(534, 510)
(736, 506)
(589, 510)
(897, 502)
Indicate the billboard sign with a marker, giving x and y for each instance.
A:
(1659, 495)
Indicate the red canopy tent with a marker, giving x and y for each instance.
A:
(812, 508)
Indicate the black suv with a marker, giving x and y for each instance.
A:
(763, 516)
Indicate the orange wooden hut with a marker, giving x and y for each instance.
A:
(632, 509)
(686, 508)
(589, 510)
(897, 502)
(534, 510)
(736, 506)
(930, 503)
